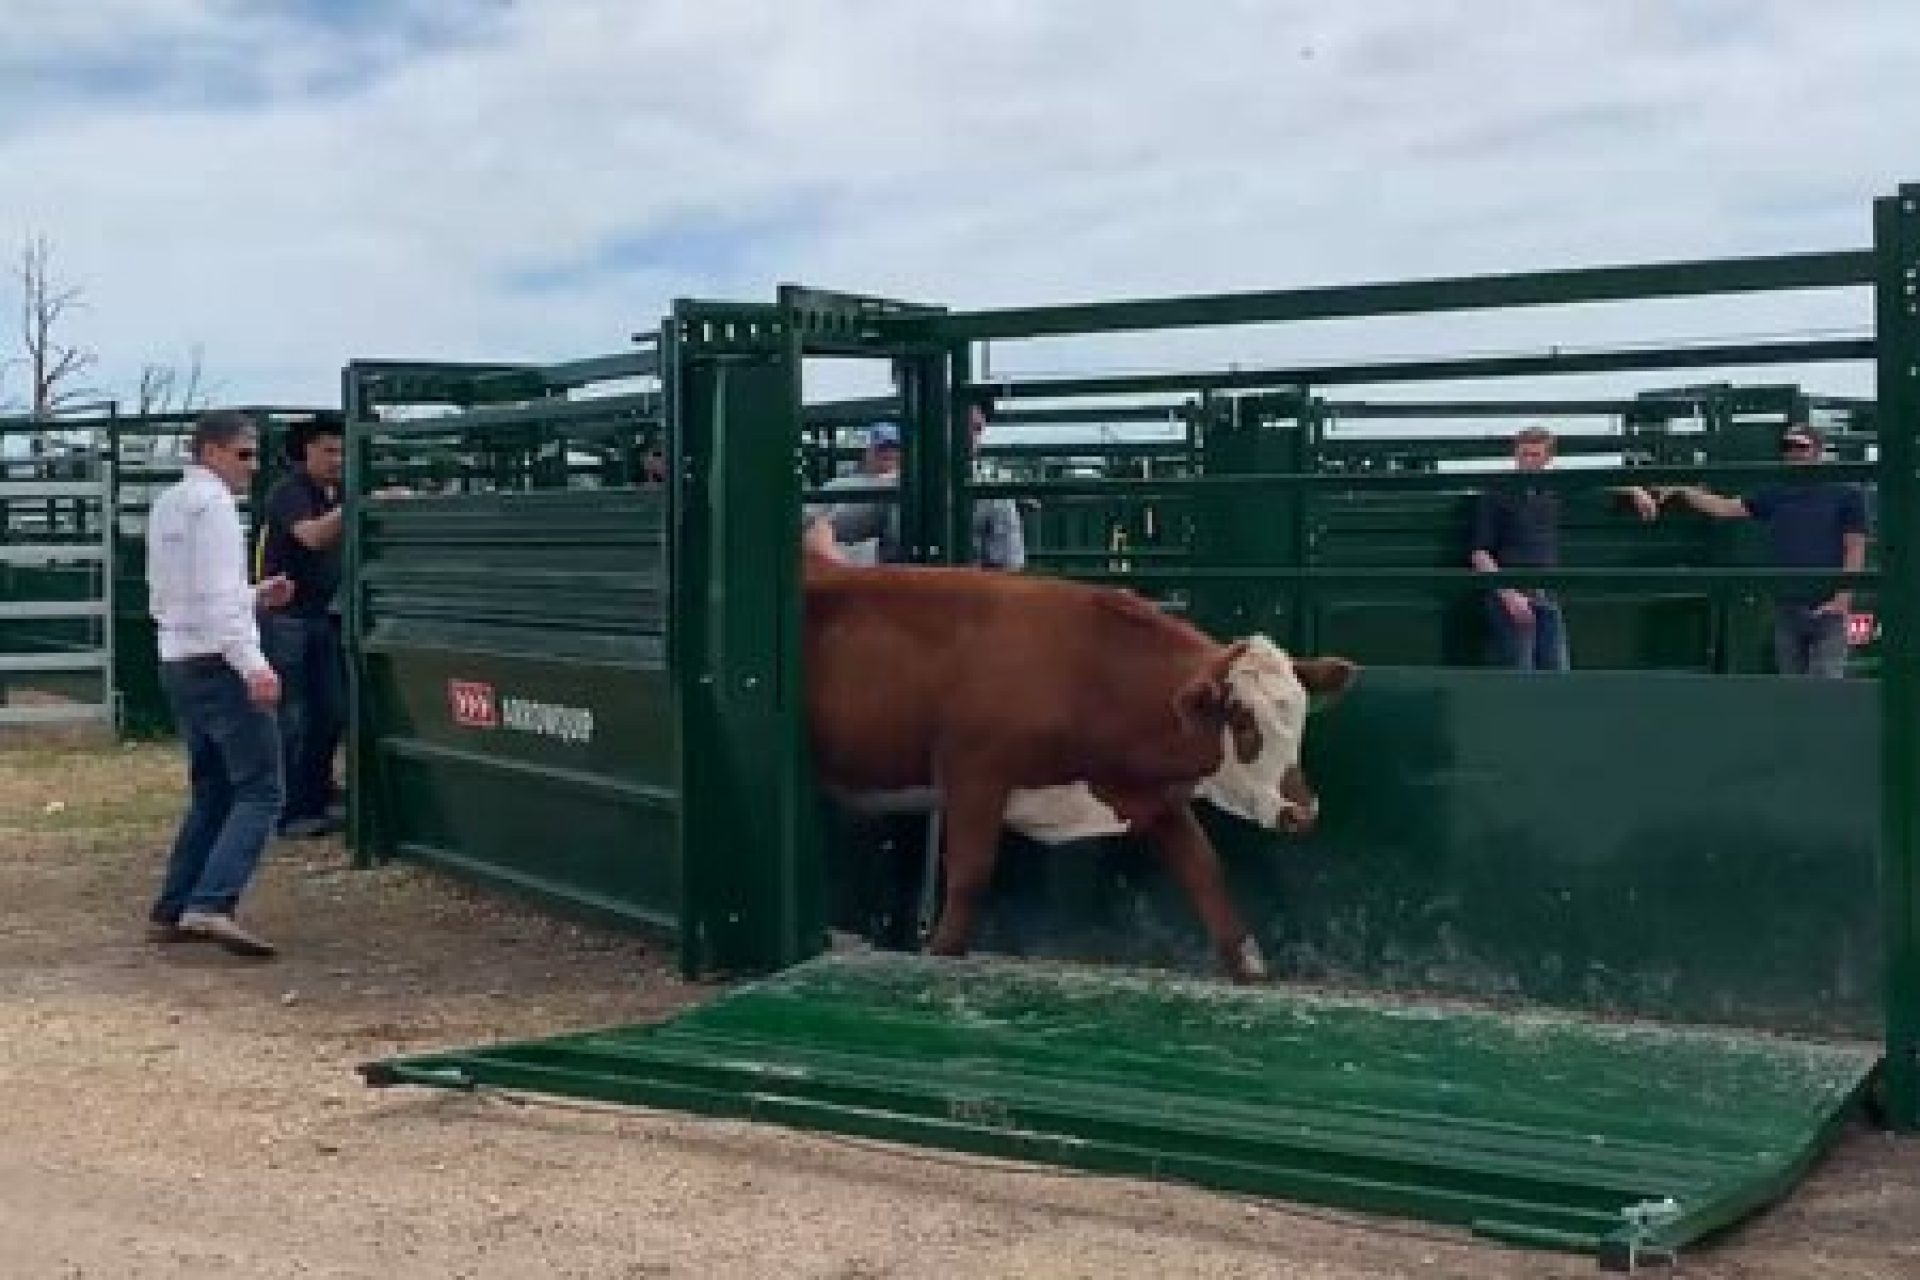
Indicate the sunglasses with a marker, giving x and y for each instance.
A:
(246, 455)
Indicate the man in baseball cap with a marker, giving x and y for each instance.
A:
(1811, 524)
(863, 524)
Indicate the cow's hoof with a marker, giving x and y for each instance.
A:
(1245, 963)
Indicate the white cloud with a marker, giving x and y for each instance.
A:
(378, 192)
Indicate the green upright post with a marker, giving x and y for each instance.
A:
(1896, 242)
(1251, 435)
(958, 452)
(752, 889)
(363, 809)
(927, 506)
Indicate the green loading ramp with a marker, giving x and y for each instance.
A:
(1626, 1141)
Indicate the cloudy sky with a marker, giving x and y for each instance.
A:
(293, 183)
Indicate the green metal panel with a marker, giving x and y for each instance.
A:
(514, 694)
(1596, 841)
(1896, 237)
(1242, 436)
(1610, 629)
(1662, 359)
(1626, 1141)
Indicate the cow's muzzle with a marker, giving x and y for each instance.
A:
(1299, 810)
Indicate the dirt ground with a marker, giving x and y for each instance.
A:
(174, 1112)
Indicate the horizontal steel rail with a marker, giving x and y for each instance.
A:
(1691, 578)
(28, 490)
(74, 660)
(556, 413)
(55, 713)
(43, 553)
(47, 610)
(1403, 481)
(1395, 409)
(1457, 293)
(1452, 368)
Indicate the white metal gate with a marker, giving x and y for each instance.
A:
(56, 585)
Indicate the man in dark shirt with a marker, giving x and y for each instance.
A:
(300, 537)
(1811, 524)
(1517, 526)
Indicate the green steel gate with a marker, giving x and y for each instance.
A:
(513, 713)
(1689, 885)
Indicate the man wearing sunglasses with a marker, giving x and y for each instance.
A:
(1811, 524)
(222, 690)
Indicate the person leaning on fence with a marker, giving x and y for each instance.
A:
(1517, 526)
(219, 684)
(999, 542)
(300, 539)
(1811, 524)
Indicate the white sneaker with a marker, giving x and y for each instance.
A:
(219, 928)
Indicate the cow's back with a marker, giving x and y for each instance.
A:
(1045, 681)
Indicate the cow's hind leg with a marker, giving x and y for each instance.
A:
(974, 810)
(1189, 856)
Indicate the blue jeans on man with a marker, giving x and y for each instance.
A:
(306, 653)
(1539, 645)
(1807, 642)
(233, 754)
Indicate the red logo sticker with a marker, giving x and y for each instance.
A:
(472, 704)
(1862, 628)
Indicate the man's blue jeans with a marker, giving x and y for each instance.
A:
(306, 653)
(1539, 647)
(1807, 642)
(233, 759)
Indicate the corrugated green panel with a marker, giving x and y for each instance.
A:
(550, 776)
(1594, 840)
(1539, 1129)
(521, 720)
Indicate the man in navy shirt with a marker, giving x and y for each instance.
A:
(1517, 526)
(1811, 524)
(301, 538)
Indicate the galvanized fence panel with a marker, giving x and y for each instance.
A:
(56, 589)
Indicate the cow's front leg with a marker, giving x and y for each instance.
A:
(974, 810)
(1183, 847)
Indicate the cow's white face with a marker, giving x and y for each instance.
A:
(1267, 687)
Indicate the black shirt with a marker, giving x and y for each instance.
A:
(1807, 526)
(1518, 526)
(315, 574)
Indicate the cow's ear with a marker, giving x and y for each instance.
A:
(1202, 701)
(1325, 678)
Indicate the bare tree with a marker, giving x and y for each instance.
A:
(54, 367)
(165, 387)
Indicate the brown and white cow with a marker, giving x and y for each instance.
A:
(1059, 708)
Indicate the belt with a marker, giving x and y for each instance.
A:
(197, 662)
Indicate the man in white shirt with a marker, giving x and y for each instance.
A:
(219, 684)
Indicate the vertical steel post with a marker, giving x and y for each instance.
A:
(927, 472)
(1896, 243)
(751, 887)
(959, 457)
(362, 836)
